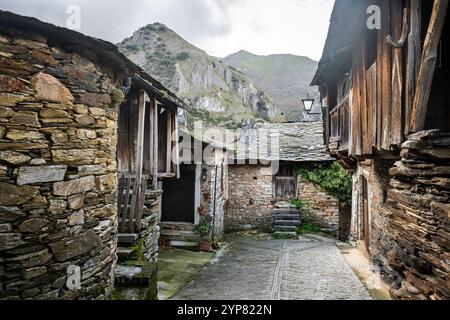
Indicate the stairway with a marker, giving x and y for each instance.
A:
(180, 235)
(286, 221)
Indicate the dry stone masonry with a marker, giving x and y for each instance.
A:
(58, 216)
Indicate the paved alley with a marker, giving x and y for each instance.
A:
(311, 268)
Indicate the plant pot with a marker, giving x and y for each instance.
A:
(205, 246)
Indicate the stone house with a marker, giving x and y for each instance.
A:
(85, 138)
(387, 119)
(263, 173)
(199, 194)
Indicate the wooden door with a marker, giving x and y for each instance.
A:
(366, 220)
(178, 202)
(285, 183)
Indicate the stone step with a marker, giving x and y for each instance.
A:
(180, 235)
(124, 254)
(286, 228)
(186, 226)
(186, 245)
(127, 239)
(286, 211)
(286, 235)
(287, 216)
(287, 223)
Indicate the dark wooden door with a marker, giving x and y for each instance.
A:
(285, 183)
(285, 188)
(178, 203)
(366, 220)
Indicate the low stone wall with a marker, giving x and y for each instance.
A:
(58, 135)
(409, 213)
(324, 208)
(250, 201)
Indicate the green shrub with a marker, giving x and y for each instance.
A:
(331, 177)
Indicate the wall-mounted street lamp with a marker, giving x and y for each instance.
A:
(308, 104)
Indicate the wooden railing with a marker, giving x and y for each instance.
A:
(130, 202)
(340, 126)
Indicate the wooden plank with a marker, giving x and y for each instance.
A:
(356, 123)
(413, 59)
(366, 119)
(141, 201)
(125, 205)
(428, 65)
(140, 135)
(397, 28)
(169, 142)
(134, 205)
(385, 76)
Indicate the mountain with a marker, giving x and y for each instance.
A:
(220, 94)
(284, 77)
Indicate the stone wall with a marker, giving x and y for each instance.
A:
(58, 219)
(250, 201)
(409, 213)
(324, 208)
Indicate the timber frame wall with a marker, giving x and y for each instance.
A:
(147, 137)
(386, 105)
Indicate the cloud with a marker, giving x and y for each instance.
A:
(218, 26)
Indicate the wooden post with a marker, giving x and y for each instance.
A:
(139, 159)
(399, 29)
(168, 168)
(176, 155)
(413, 59)
(428, 65)
(155, 145)
(140, 135)
(151, 145)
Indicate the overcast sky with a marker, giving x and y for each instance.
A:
(220, 27)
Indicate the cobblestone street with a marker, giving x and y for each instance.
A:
(311, 268)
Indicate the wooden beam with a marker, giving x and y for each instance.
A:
(413, 59)
(428, 65)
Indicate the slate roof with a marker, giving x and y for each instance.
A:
(296, 142)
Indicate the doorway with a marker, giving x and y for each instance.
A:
(365, 214)
(285, 183)
(178, 200)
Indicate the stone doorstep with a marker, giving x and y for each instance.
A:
(286, 211)
(124, 254)
(186, 245)
(128, 239)
(287, 223)
(286, 229)
(181, 226)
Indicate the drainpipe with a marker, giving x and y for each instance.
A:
(214, 203)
